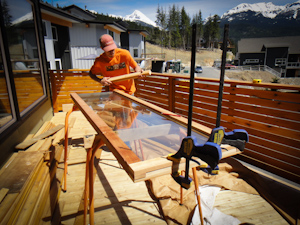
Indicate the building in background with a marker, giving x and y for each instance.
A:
(72, 37)
(279, 53)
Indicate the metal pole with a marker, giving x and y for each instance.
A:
(221, 86)
(192, 79)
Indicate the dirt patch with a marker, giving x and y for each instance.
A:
(265, 77)
(207, 58)
(203, 57)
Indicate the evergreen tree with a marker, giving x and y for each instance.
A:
(211, 31)
(161, 21)
(197, 19)
(215, 30)
(173, 27)
(185, 28)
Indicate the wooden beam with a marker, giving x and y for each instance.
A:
(112, 29)
(130, 76)
(56, 20)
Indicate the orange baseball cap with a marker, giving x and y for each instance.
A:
(107, 43)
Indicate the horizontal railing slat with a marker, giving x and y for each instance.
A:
(269, 112)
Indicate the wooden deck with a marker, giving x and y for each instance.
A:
(120, 201)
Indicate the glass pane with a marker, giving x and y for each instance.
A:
(5, 104)
(23, 51)
(148, 134)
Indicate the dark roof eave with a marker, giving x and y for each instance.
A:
(48, 8)
(75, 6)
(106, 23)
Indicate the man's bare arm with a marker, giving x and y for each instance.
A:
(104, 81)
(94, 77)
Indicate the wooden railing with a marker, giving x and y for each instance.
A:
(65, 82)
(269, 112)
(270, 116)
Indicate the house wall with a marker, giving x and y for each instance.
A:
(245, 56)
(274, 53)
(84, 41)
(136, 42)
(48, 39)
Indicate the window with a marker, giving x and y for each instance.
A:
(54, 33)
(6, 112)
(44, 29)
(111, 33)
(251, 61)
(21, 78)
(135, 52)
(280, 61)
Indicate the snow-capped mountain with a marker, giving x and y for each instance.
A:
(262, 20)
(267, 10)
(138, 17)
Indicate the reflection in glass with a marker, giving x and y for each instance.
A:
(23, 50)
(5, 104)
(148, 134)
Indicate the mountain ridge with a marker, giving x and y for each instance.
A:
(262, 19)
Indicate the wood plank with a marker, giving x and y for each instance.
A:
(45, 127)
(34, 196)
(6, 204)
(266, 94)
(115, 144)
(130, 76)
(26, 144)
(20, 170)
(284, 114)
(3, 193)
(162, 166)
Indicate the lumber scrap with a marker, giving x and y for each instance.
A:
(56, 177)
(45, 127)
(18, 177)
(20, 170)
(67, 107)
(3, 193)
(26, 144)
(34, 197)
(58, 136)
(36, 146)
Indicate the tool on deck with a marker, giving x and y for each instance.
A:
(237, 137)
(130, 76)
(209, 152)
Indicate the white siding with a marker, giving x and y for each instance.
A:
(135, 40)
(78, 52)
(80, 35)
(49, 47)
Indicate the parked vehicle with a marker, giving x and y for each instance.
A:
(198, 69)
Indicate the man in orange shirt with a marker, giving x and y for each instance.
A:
(114, 62)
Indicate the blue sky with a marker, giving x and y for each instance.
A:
(149, 8)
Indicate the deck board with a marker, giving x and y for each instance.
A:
(120, 201)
